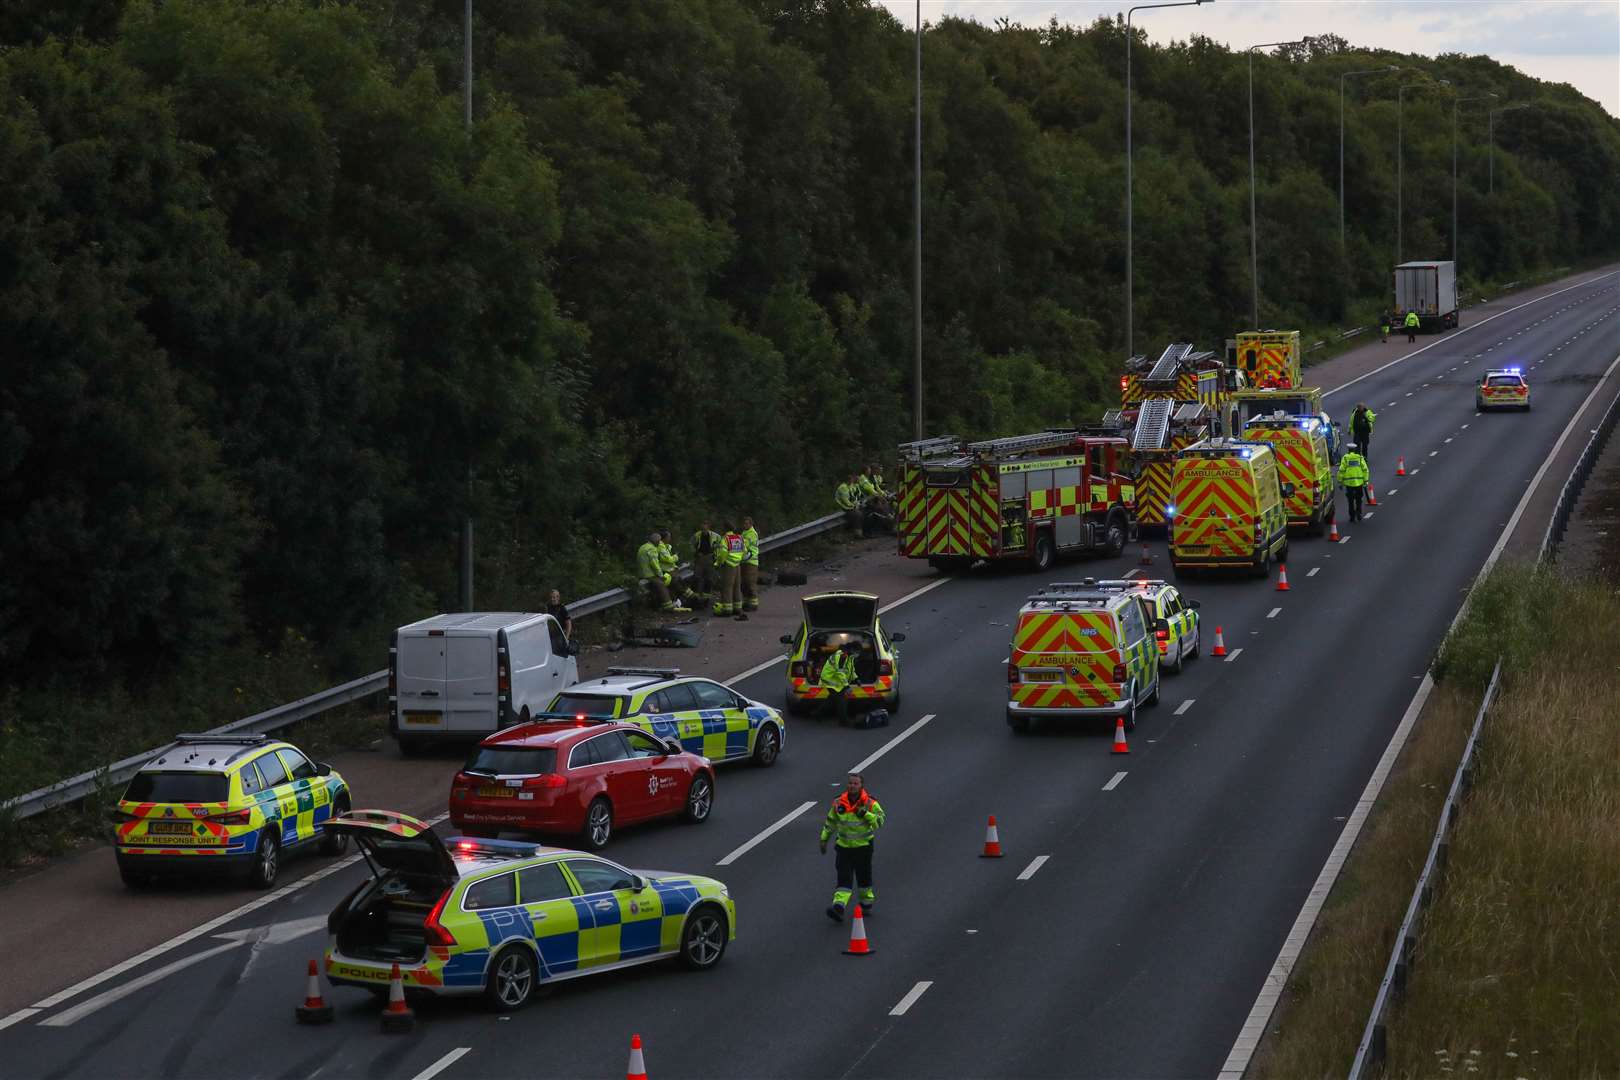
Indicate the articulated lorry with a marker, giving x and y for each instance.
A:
(1430, 289)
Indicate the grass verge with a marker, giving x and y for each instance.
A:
(1516, 959)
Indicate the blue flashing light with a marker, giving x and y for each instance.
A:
(1170, 511)
(1248, 453)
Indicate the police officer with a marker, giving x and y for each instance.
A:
(651, 568)
(1361, 425)
(1412, 323)
(705, 572)
(1353, 475)
(750, 565)
(852, 821)
(836, 675)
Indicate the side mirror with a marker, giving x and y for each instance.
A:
(786, 639)
(322, 769)
(673, 746)
(1195, 604)
(1287, 491)
(637, 883)
(573, 649)
(897, 637)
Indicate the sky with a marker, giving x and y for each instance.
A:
(1573, 41)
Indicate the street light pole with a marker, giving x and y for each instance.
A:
(916, 252)
(1130, 320)
(1349, 75)
(1254, 224)
(1400, 161)
(1490, 137)
(466, 518)
(1455, 102)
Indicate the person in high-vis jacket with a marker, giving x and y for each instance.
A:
(1412, 323)
(852, 824)
(730, 557)
(1353, 474)
(750, 565)
(651, 568)
(848, 497)
(1362, 420)
(836, 676)
(705, 570)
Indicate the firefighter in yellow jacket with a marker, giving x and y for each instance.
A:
(729, 557)
(852, 824)
(750, 565)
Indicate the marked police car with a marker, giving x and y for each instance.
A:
(498, 917)
(230, 803)
(1503, 388)
(1176, 624)
(700, 714)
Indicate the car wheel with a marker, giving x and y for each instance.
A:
(1045, 553)
(891, 704)
(1130, 716)
(1153, 698)
(408, 747)
(1282, 556)
(266, 862)
(135, 880)
(1262, 563)
(703, 942)
(699, 799)
(511, 979)
(335, 843)
(1018, 724)
(1181, 649)
(1114, 542)
(1198, 643)
(791, 705)
(598, 824)
(767, 745)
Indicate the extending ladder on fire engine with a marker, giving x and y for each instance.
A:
(1169, 363)
(922, 448)
(1014, 443)
(1152, 424)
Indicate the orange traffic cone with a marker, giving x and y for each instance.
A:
(858, 945)
(1220, 644)
(1400, 466)
(1120, 746)
(1282, 577)
(637, 1069)
(397, 1016)
(314, 1010)
(1333, 531)
(1147, 557)
(1372, 496)
(992, 841)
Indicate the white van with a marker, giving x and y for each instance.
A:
(463, 676)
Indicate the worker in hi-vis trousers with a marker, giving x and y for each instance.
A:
(852, 822)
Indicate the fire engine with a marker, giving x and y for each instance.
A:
(1031, 497)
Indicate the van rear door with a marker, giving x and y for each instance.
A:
(421, 681)
(469, 680)
(1215, 507)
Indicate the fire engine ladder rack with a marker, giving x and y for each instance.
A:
(943, 444)
(1113, 419)
(1152, 424)
(1191, 412)
(1015, 443)
(1169, 363)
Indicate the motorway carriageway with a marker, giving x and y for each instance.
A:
(1143, 899)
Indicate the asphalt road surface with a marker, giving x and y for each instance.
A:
(1142, 899)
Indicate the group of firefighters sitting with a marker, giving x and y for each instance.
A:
(865, 501)
(724, 566)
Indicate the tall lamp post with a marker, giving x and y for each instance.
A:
(1349, 75)
(1130, 321)
(1254, 224)
(1400, 161)
(916, 252)
(466, 518)
(1455, 103)
(1490, 127)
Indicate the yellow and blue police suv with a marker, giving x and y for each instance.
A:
(231, 803)
(704, 716)
(498, 917)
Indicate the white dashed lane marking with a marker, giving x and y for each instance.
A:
(1114, 783)
(1234, 654)
(1274, 612)
(911, 997)
(1313, 571)
(1184, 706)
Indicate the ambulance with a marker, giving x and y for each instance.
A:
(1083, 649)
(1228, 511)
(1302, 460)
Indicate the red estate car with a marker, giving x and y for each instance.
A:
(584, 776)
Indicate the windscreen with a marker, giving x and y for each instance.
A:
(1502, 380)
(178, 787)
(511, 760)
(589, 704)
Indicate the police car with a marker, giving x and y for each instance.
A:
(1176, 624)
(225, 803)
(705, 717)
(498, 917)
(832, 621)
(1503, 388)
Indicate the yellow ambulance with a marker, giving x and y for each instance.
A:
(1228, 510)
(1301, 446)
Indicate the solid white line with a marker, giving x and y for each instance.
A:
(760, 838)
(1038, 861)
(1312, 572)
(1184, 706)
(911, 998)
(1274, 612)
(892, 743)
(1466, 329)
(885, 609)
(134, 986)
(1234, 654)
(443, 1063)
(1254, 1028)
(17, 1017)
(1114, 782)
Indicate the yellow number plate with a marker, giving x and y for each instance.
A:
(168, 828)
(423, 717)
(492, 792)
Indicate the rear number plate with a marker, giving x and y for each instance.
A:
(1042, 676)
(423, 717)
(1194, 549)
(490, 792)
(169, 828)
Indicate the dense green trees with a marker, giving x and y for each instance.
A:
(273, 320)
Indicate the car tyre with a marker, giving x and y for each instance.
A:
(598, 824)
(266, 865)
(1153, 698)
(511, 979)
(134, 880)
(1114, 536)
(1018, 724)
(1181, 659)
(767, 746)
(335, 843)
(1198, 643)
(1130, 715)
(791, 704)
(699, 799)
(1045, 553)
(703, 940)
(409, 747)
